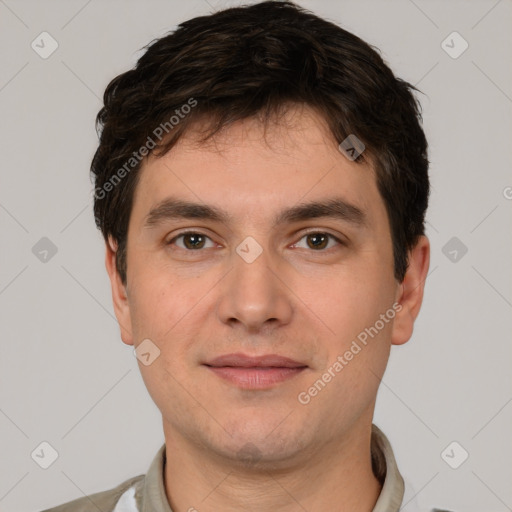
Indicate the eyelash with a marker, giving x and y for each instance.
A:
(184, 233)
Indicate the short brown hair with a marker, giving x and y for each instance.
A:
(250, 61)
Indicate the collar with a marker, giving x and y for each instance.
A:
(152, 496)
(386, 470)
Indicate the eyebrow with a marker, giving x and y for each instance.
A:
(335, 208)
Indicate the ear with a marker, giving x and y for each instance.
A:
(119, 295)
(410, 292)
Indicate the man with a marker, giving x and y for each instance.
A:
(261, 183)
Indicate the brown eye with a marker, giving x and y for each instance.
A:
(191, 241)
(317, 240)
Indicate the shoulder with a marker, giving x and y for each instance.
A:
(105, 501)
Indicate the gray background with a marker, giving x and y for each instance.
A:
(65, 376)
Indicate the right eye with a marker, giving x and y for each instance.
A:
(191, 241)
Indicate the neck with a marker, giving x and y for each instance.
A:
(338, 473)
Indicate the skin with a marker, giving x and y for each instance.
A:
(295, 300)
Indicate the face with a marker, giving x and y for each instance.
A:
(259, 247)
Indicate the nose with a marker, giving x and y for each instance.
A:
(254, 295)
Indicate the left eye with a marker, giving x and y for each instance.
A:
(318, 241)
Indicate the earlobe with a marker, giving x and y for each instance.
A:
(119, 295)
(410, 292)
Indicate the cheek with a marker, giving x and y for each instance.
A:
(160, 302)
(348, 301)
(172, 312)
(347, 381)
(164, 313)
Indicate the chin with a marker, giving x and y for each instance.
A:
(259, 443)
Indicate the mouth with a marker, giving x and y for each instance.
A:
(255, 372)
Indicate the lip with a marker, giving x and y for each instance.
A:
(255, 372)
(244, 361)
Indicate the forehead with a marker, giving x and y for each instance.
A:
(254, 170)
